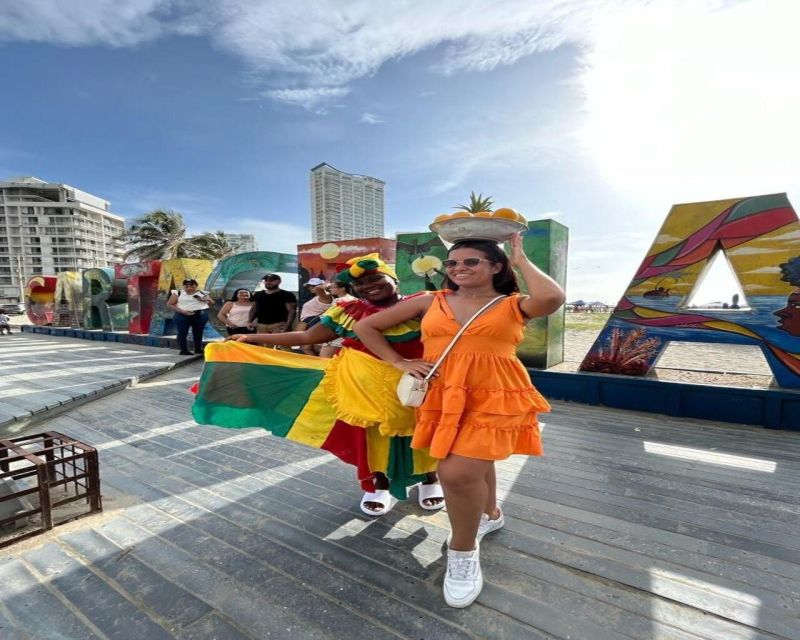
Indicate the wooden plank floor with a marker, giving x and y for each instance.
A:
(631, 526)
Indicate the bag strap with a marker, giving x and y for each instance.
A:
(458, 335)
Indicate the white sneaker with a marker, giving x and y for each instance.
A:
(487, 526)
(463, 579)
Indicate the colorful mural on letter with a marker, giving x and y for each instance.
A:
(40, 295)
(760, 237)
(142, 278)
(419, 266)
(105, 300)
(67, 309)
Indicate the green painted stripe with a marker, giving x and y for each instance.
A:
(237, 395)
(667, 255)
(749, 206)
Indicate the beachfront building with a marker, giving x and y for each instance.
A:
(242, 242)
(345, 205)
(48, 227)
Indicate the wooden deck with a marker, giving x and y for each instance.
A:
(631, 526)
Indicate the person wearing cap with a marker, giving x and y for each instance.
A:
(190, 305)
(312, 310)
(361, 389)
(274, 308)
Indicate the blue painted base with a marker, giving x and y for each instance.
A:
(163, 342)
(772, 408)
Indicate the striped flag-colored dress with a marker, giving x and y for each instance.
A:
(346, 405)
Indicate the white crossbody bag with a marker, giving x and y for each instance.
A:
(410, 390)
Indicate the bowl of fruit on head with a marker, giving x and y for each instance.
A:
(497, 226)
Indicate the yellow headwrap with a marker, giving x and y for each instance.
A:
(365, 264)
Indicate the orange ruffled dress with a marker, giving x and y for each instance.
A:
(482, 405)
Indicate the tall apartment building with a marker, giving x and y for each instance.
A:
(242, 242)
(345, 206)
(48, 227)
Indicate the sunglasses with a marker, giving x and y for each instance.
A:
(467, 262)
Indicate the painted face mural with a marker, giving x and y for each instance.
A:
(790, 314)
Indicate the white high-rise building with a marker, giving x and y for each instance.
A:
(242, 242)
(49, 227)
(345, 206)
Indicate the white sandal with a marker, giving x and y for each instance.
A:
(382, 497)
(430, 492)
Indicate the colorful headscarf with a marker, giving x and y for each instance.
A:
(357, 267)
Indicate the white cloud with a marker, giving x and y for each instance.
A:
(370, 118)
(312, 99)
(317, 43)
(117, 23)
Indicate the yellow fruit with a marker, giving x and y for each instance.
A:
(508, 214)
(483, 214)
(461, 214)
(444, 216)
(522, 218)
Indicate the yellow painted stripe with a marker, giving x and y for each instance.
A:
(644, 312)
(724, 325)
(252, 354)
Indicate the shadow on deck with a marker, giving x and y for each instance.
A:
(631, 526)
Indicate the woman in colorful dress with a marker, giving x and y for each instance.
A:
(481, 405)
(371, 430)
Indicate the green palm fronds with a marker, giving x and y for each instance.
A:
(476, 203)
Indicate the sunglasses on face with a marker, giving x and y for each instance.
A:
(467, 262)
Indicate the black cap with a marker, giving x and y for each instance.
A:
(271, 276)
(190, 281)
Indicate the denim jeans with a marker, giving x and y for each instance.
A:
(196, 322)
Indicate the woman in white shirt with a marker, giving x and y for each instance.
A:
(314, 308)
(191, 312)
(339, 291)
(236, 313)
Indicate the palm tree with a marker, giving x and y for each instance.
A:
(213, 246)
(476, 203)
(161, 235)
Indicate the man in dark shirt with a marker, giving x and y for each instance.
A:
(273, 309)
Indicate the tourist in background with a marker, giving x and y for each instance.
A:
(274, 309)
(340, 292)
(314, 308)
(235, 313)
(5, 324)
(190, 305)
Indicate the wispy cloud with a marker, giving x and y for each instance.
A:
(370, 118)
(313, 99)
(318, 44)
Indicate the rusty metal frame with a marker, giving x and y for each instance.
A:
(54, 459)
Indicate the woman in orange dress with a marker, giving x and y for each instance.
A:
(481, 405)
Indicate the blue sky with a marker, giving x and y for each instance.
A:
(599, 114)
